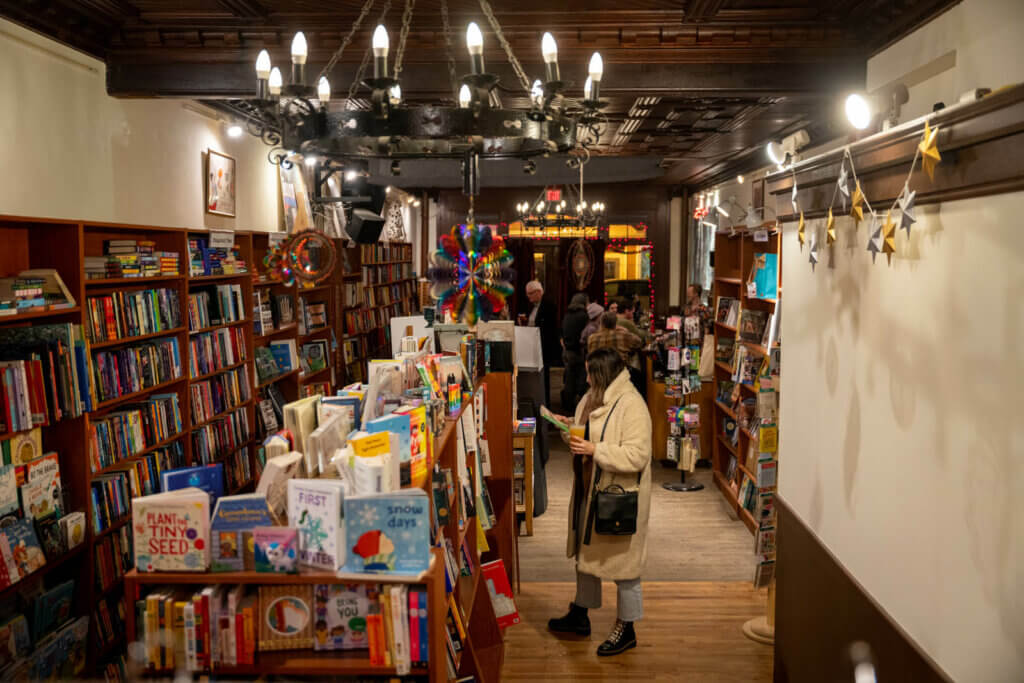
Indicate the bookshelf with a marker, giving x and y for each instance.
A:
(388, 290)
(734, 261)
(522, 444)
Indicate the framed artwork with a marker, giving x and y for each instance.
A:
(611, 270)
(220, 184)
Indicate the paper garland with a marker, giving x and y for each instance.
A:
(882, 237)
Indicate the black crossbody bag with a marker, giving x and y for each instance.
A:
(613, 510)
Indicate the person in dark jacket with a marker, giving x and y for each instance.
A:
(575, 378)
(543, 313)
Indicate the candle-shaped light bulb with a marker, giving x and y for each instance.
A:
(380, 52)
(537, 94)
(588, 86)
(464, 96)
(299, 48)
(263, 65)
(395, 94)
(540, 206)
(596, 68)
(549, 49)
(323, 90)
(475, 45)
(275, 81)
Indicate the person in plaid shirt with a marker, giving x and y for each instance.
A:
(613, 336)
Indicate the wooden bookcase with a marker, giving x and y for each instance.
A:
(734, 258)
(524, 443)
(389, 290)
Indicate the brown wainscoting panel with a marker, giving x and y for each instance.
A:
(820, 609)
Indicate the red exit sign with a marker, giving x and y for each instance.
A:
(554, 194)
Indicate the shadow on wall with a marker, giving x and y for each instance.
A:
(953, 367)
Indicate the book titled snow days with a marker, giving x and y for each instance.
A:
(171, 531)
(315, 509)
(388, 532)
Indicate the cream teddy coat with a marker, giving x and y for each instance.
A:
(624, 451)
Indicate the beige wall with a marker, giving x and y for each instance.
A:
(903, 446)
(70, 151)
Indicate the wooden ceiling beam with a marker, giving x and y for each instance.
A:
(249, 9)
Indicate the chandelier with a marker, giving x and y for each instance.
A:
(297, 117)
(561, 212)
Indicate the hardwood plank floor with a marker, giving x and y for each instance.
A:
(690, 632)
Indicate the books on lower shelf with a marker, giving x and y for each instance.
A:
(45, 376)
(122, 315)
(126, 370)
(220, 437)
(217, 627)
(133, 430)
(60, 655)
(727, 311)
(113, 556)
(215, 305)
(211, 351)
(312, 316)
(222, 392)
(111, 500)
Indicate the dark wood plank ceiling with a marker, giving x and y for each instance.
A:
(702, 83)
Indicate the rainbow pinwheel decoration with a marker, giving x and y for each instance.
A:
(471, 273)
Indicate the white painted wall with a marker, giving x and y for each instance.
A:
(70, 151)
(902, 446)
(985, 36)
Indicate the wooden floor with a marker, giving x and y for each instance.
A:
(690, 536)
(690, 632)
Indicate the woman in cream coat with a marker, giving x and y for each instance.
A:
(618, 440)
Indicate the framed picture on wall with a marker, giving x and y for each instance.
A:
(220, 184)
(611, 270)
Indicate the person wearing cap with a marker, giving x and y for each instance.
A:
(594, 311)
(575, 379)
(544, 315)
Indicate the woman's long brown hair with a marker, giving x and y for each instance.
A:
(603, 366)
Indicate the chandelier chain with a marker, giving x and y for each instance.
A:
(406, 22)
(350, 100)
(524, 80)
(367, 6)
(452, 78)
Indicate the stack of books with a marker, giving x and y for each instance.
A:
(206, 260)
(131, 258)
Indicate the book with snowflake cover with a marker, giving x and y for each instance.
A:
(315, 509)
(172, 531)
(388, 533)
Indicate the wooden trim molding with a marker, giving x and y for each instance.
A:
(982, 147)
(820, 609)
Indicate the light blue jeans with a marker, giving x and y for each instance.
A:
(630, 602)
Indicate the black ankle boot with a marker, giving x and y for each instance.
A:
(576, 621)
(622, 638)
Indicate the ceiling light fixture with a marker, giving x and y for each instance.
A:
(296, 115)
(235, 131)
(878, 111)
(739, 179)
(783, 153)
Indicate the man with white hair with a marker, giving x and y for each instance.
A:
(543, 314)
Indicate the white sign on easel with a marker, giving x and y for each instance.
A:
(527, 348)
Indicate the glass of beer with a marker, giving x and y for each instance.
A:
(577, 430)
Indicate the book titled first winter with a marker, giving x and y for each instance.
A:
(315, 509)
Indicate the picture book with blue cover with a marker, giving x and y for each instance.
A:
(230, 529)
(52, 608)
(315, 509)
(209, 478)
(766, 275)
(399, 424)
(388, 532)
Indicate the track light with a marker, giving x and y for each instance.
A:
(858, 111)
(878, 111)
(783, 153)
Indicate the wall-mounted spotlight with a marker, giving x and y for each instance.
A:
(783, 153)
(878, 111)
(234, 131)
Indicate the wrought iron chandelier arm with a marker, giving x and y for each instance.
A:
(406, 22)
(367, 6)
(349, 101)
(516, 66)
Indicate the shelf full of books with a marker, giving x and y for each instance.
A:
(747, 330)
(379, 541)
